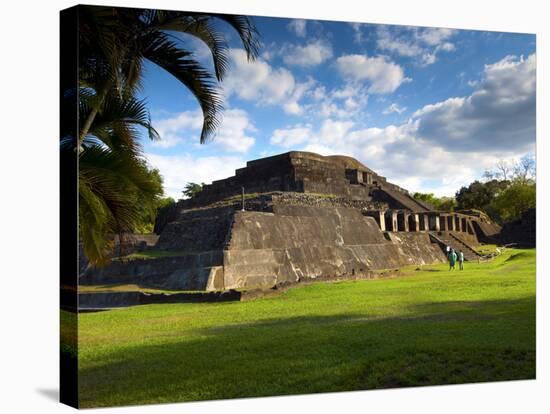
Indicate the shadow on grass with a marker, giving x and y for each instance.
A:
(440, 343)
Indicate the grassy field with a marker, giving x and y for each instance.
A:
(425, 327)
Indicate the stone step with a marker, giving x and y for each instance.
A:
(457, 245)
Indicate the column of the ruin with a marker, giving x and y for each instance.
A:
(403, 220)
(391, 223)
(443, 222)
(425, 222)
(464, 225)
(416, 223)
(434, 222)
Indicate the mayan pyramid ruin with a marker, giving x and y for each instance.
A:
(293, 217)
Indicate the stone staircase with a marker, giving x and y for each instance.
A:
(449, 239)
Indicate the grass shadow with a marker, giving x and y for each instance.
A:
(435, 343)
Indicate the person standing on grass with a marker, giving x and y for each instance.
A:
(461, 260)
(452, 259)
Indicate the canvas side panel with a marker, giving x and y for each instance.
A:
(68, 207)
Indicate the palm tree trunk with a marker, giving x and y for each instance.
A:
(86, 127)
(91, 116)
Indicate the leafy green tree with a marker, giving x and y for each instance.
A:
(479, 195)
(149, 207)
(516, 199)
(192, 189)
(440, 203)
(447, 204)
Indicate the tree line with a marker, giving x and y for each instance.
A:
(504, 193)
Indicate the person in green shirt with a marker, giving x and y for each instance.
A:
(452, 259)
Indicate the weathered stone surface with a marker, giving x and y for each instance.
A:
(197, 230)
(295, 243)
(190, 272)
(306, 172)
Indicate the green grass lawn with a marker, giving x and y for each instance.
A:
(422, 328)
(485, 249)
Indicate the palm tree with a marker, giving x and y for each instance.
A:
(115, 184)
(115, 42)
(113, 45)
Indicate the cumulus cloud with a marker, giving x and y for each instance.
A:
(499, 114)
(311, 54)
(433, 36)
(178, 170)
(346, 101)
(383, 75)
(175, 129)
(298, 27)
(445, 145)
(395, 152)
(291, 137)
(422, 44)
(232, 135)
(265, 85)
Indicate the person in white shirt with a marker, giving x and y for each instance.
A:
(461, 260)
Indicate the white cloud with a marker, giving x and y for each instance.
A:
(298, 26)
(447, 144)
(265, 85)
(257, 80)
(178, 170)
(394, 108)
(401, 46)
(383, 75)
(422, 44)
(231, 135)
(397, 153)
(174, 130)
(312, 54)
(290, 137)
(499, 114)
(433, 36)
(344, 102)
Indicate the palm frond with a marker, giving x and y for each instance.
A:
(111, 184)
(179, 63)
(245, 27)
(118, 122)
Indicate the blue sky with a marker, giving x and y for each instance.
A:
(429, 108)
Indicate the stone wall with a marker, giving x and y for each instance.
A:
(197, 230)
(198, 271)
(296, 243)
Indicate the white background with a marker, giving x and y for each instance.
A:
(29, 73)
